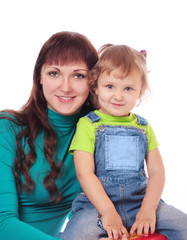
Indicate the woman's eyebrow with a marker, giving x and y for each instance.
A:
(81, 69)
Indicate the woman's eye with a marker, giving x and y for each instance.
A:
(109, 86)
(53, 74)
(79, 75)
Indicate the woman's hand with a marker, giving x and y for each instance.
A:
(113, 225)
(145, 221)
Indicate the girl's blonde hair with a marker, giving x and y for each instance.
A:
(124, 57)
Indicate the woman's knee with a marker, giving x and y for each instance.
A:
(83, 225)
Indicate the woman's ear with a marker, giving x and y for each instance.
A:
(96, 90)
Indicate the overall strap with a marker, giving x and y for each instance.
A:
(141, 120)
(93, 117)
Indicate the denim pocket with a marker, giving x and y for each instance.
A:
(122, 152)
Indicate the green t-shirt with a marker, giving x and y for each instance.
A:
(84, 138)
(32, 216)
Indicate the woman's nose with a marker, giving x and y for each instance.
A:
(66, 85)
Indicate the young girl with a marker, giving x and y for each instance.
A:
(110, 147)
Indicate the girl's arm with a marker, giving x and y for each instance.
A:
(146, 217)
(85, 169)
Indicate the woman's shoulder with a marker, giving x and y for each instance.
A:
(7, 120)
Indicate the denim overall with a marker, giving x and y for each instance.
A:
(119, 164)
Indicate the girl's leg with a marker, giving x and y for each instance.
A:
(83, 226)
(171, 222)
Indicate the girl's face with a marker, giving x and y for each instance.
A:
(117, 97)
(65, 88)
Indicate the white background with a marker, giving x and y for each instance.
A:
(157, 26)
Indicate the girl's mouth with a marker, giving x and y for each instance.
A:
(117, 104)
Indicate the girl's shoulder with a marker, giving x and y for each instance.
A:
(86, 125)
(85, 118)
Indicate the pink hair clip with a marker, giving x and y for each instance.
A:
(144, 52)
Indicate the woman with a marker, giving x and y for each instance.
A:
(38, 180)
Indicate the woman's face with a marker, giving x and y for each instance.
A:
(65, 87)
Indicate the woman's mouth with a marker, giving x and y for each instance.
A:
(66, 99)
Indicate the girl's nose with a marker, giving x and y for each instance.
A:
(119, 96)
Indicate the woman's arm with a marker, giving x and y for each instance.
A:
(85, 169)
(11, 227)
(146, 217)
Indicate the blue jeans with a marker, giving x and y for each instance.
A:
(83, 225)
(119, 164)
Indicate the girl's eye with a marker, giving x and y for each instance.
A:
(128, 88)
(53, 74)
(79, 75)
(109, 86)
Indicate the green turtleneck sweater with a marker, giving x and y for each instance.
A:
(32, 216)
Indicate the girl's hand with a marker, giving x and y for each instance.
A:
(145, 221)
(112, 223)
(105, 239)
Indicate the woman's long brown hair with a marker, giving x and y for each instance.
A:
(61, 48)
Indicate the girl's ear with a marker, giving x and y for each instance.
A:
(140, 95)
(139, 99)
